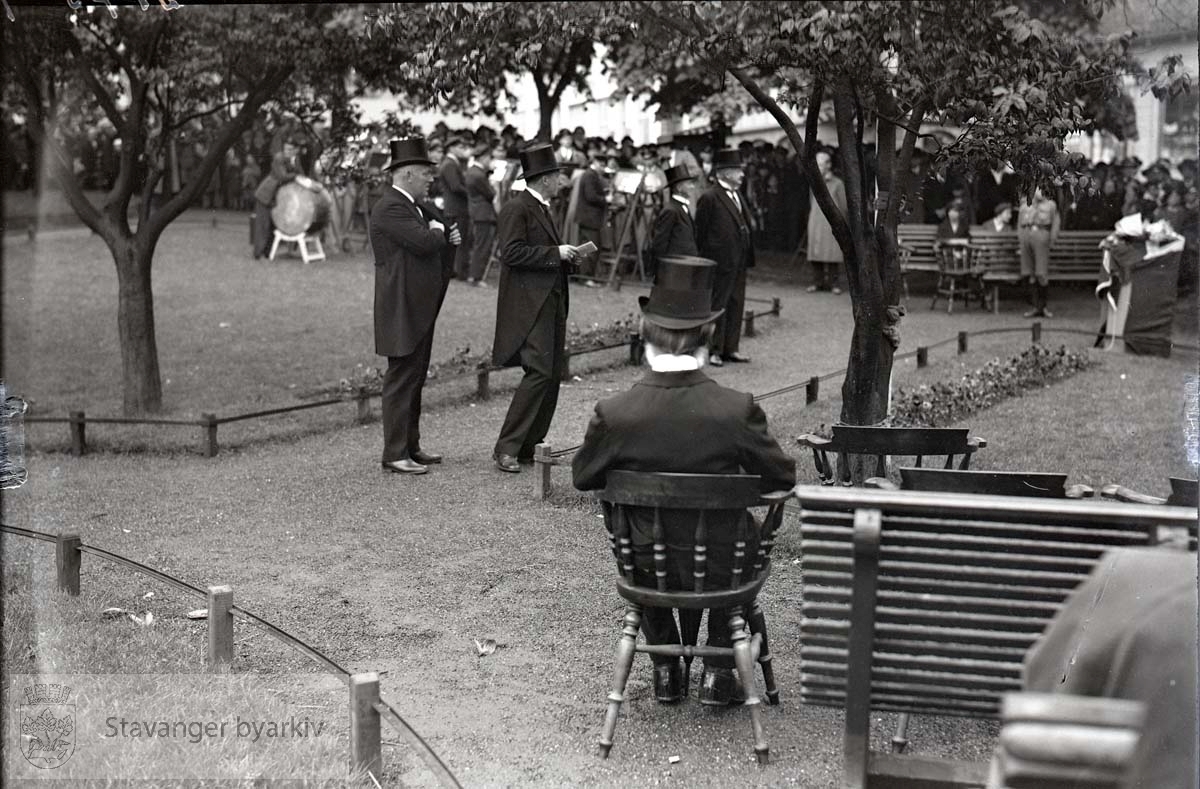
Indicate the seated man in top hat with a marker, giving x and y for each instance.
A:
(677, 419)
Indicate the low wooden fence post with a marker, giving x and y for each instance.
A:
(220, 628)
(365, 751)
(812, 390)
(749, 328)
(543, 461)
(566, 367)
(1037, 331)
(483, 390)
(209, 423)
(67, 558)
(962, 342)
(616, 282)
(78, 433)
(635, 348)
(776, 306)
(363, 399)
(922, 357)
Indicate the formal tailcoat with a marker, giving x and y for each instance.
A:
(411, 275)
(530, 269)
(674, 231)
(723, 235)
(682, 422)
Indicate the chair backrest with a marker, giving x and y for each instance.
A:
(885, 442)
(956, 256)
(949, 590)
(1059, 741)
(999, 483)
(1184, 492)
(700, 494)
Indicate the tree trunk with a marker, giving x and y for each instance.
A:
(140, 377)
(545, 119)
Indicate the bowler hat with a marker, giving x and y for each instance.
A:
(410, 150)
(727, 157)
(679, 172)
(682, 294)
(537, 160)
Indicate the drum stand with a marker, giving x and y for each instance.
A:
(301, 240)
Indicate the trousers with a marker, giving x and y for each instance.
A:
(542, 357)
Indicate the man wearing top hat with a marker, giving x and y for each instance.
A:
(531, 308)
(411, 276)
(677, 419)
(674, 233)
(723, 234)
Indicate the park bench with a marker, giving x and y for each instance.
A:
(1034, 484)
(1074, 258)
(926, 603)
(884, 442)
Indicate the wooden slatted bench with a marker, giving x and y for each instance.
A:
(1074, 258)
(927, 603)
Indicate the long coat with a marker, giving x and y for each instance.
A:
(592, 204)
(723, 235)
(822, 246)
(481, 195)
(674, 231)
(530, 269)
(453, 187)
(681, 422)
(411, 275)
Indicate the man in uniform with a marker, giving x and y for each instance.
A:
(481, 202)
(453, 186)
(1037, 231)
(411, 276)
(723, 234)
(531, 309)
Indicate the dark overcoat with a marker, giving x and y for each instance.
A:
(410, 273)
(674, 231)
(723, 235)
(530, 269)
(592, 202)
(454, 187)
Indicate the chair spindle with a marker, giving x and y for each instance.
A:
(700, 555)
(739, 552)
(660, 551)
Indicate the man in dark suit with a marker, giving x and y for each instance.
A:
(456, 201)
(723, 234)
(531, 308)
(285, 166)
(677, 419)
(593, 205)
(674, 232)
(411, 276)
(481, 203)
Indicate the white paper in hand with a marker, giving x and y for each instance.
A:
(587, 249)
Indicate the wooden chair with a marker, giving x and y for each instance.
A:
(998, 483)
(959, 271)
(702, 494)
(883, 442)
(1060, 741)
(928, 603)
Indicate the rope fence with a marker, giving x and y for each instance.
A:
(362, 396)
(365, 731)
(545, 456)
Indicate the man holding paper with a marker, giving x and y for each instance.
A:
(531, 308)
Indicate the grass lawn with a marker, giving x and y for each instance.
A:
(402, 574)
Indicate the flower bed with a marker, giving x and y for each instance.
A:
(942, 404)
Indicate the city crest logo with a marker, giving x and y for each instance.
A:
(47, 726)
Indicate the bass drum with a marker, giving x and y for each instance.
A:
(299, 210)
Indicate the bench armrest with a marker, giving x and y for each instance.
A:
(776, 496)
(1080, 491)
(813, 442)
(975, 442)
(1121, 493)
(880, 483)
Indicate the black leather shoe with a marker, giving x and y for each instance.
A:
(425, 458)
(737, 357)
(668, 682)
(404, 466)
(507, 463)
(720, 688)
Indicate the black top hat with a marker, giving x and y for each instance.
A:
(410, 150)
(682, 294)
(727, 157)
(679, 172)
(537, 160)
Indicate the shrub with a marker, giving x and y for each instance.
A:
(942, 404)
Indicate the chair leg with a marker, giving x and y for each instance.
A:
(758, 624)
(623, 665)
(900, 738)
(743, 659)
(950, 304)
(937, 291)
(274, 246)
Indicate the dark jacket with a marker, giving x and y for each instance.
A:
(723, 235)
(453, 187)
(681, 422)
(481, 195)
(530, 269)
(410, 273)
(283, 170)
(592, 202)
(674, 232)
